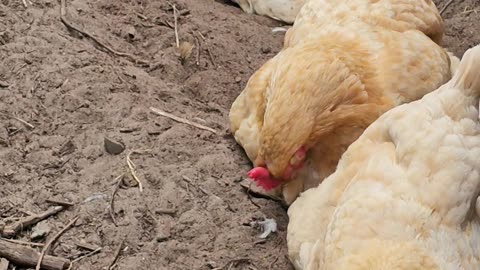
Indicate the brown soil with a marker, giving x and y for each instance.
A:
(75, 94)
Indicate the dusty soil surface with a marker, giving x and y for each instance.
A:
(191, 214)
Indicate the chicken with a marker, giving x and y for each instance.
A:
(397, 15)
(405, 194)
(301, 110)
(281, 10)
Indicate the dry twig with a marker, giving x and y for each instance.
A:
(211, 57)
(70, 26)
(247, 185)
(188, 180)
(54, 238)
(12, 230)
(197, 44)
(58, 202)
(175, 17)
(181, 120)
(465, 12)
(91, 253)
(250, 197)
(24, 2)
(141, 16)
(119, 180)
(86, 246)
(233, 262)
(28, 257)
(272, 263)
(132, 167)
(210, 54)
(19, 120)
(117, 254)
(23, 242)
(446, 6)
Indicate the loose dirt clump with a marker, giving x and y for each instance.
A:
(68, 87)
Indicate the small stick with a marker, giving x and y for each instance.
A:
(10, 231)
(208, 50)
(469, 11)
(167, 24)
(58, 202)
(4, 264)
(132, 166)
(14, 132)
(175, 17)
(141, 16)
(23, 242)
(197, 43)
(202, 36)
(54, 238)
(188, 180)
(19, 120)
(184, 12)
(247, 186)
(211, 57)
(117, 254)
(181, 120)
(258, 242)
(446, 6)
(87, 246)
(84, 256)
(272, 263)
(24, 3)
(119, 180)
(250, 197)
(27, 257)
(231, 263)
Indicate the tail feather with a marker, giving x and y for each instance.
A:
(467, 75)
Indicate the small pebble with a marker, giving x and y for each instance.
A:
(162, 238)
(40, 230)
(113, 147)
(266, 50)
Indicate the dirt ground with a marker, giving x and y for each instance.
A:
(192, 213)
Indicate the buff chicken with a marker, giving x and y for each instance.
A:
(344, 63)
(405, 194)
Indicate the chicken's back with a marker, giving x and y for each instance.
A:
(403, 195)
(397, 15)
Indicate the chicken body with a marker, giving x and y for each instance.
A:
(338, 72)
(397, 15)
(404, 194)
(282, 10)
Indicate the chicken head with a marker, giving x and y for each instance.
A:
(308, 99)
(261, 176)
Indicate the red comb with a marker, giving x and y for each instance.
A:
(258, 172)
(262, 178)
